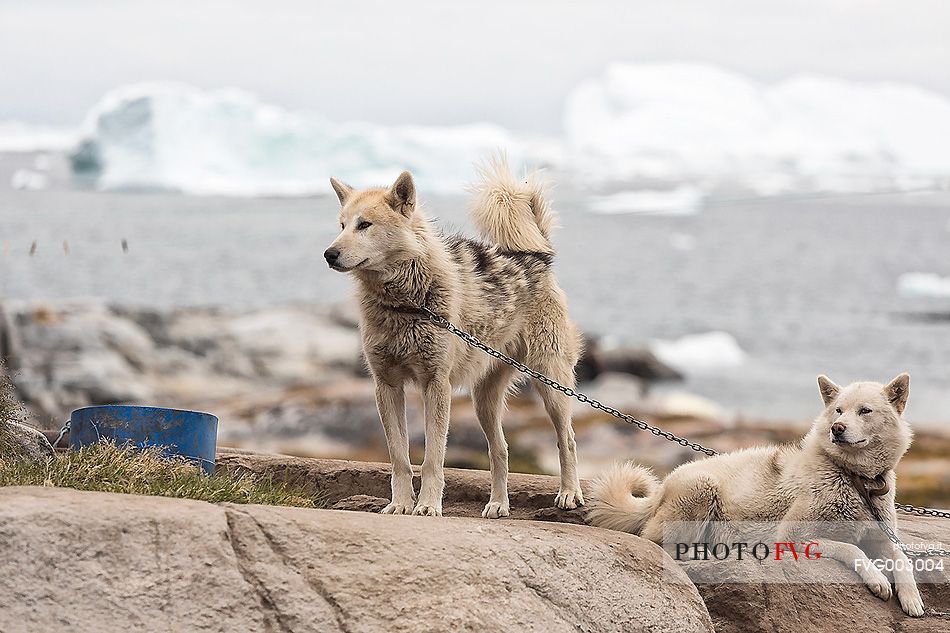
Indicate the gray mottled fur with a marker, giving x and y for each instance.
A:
(502, 290)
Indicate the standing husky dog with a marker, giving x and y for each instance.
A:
(852, 447)
(503, 292)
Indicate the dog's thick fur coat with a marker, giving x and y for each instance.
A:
(501, 290)
(860, 433)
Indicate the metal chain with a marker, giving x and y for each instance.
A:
(682, 441)
(474, 342)
(906, 507)
(910, 553)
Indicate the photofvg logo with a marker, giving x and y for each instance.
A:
(790, 550)
(793, 553)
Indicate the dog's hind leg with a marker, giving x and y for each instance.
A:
(558, 407)
(489, 399)
(437, 396)
(391, 402)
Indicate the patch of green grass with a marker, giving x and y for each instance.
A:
(106, 467)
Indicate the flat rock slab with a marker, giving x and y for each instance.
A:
(86, 561)
(466, 491)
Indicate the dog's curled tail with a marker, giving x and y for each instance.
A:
(514, 214)
(620, 499)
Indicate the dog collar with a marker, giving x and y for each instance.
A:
(865, 488)
(404, 309)
(408, 308)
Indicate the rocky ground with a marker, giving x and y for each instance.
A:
(83, 561)
(154, 564)
(735, 603)
(290, 380)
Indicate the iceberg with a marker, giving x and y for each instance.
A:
(682, 200)
(930, 285)
(29, 180)
(708, 126)
(17, 136)
(700, 352)
(642, 138)
(227, 142)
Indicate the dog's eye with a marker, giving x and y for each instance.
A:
(342, 226)
(362, 226)
(838, 410)
(864, 411)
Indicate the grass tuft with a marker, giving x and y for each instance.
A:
(106, 467)
(9, 447)
(10, 411)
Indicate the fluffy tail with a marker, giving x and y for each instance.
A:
(620, 499)
(513, 213)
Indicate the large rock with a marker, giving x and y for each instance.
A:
(289, 343)
(735, 604)
(75, 355)
(635, 361)
(30, 443)
(83, 561)
(69, 355)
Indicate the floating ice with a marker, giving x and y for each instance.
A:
(923, 285)
(712, 127)
(700, 352)
(29, 180)
(16, 136)
(170, 136)
(682, 200)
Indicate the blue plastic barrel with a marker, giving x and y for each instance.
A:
(190, 434)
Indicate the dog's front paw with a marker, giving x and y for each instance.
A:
(396, 507)
(496, 510)
(909, 597)
(568, 499)
(429, 505)
(427, 510)
(878, 584)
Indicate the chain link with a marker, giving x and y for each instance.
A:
(682, 441)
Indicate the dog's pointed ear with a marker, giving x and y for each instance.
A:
(828, 390)
(343, 190)
(897, 391)
(402, 195)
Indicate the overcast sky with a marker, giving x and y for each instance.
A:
(409, 61)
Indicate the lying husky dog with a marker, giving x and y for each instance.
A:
(845, 461)
(502, 291)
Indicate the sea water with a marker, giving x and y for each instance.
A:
(751, 299)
